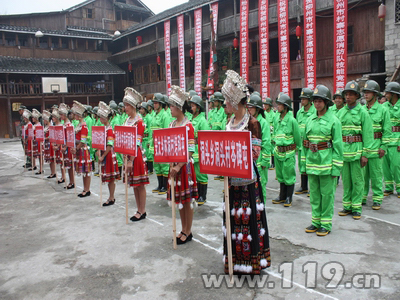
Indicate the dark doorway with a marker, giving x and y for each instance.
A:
(296, 101)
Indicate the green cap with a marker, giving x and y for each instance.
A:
(321, 91)
(352, 86)
(255, 100)
(372, 86)
(267, 100)
(306, 93)
(218, 97)
(285, 100)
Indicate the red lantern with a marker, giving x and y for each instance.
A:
(298, 31)
(191, 53)
(158, 60)
(382, 11)
(235, 43)
(130, 67)
(138, 40)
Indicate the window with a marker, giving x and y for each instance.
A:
(397, 11)
(88, 13)
(99, 46)
(23, 40)
(43, 43)
(350, 39)
(64, 43)
(122, 1)
(55, 43)
(10, 39)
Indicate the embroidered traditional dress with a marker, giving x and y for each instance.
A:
(37, 147)
(28, 143)
(249, 229)
(185, 180)
(138, 174)
(67, 153)
(83, 163)
(48, 147)
(109, 166)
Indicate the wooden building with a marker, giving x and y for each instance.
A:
(73, 43)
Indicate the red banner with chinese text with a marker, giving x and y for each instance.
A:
(309, 44)
(210, 81)
(198, 26)
(167, 47)
(226, 153)
(340, 44)
(180, 22)
(39, 134)
(70, 136)
(171, 145)
(56, 134)
(125, 140)
(284, 50)
(99, 139)
(263, 34)
(244, 39)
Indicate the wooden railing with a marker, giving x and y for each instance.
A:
(35, 89)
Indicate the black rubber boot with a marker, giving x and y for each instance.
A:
(289, 195)
(164, 184)
(150, 167)
(159, 178)
(282, 195)
(304, 185)
(202, 193)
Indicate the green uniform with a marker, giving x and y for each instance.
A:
(301, 119)
(147, 137)
(199, 123)
(89, 123)
(211, 114)
(189, 116)
(334, 109)
(116, 121)
(75, 123)
(271, 118)
(286, 133)
(217, 119)
(264, 159)
(391, 162)
(354, 122)
(323, 166)
(373, 170)
(158, 123)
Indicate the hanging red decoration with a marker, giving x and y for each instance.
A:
(235, 43)
(158, 60)
(191, 53)
(138, 40)
(382, 11)
(130, 67)
(298, 31)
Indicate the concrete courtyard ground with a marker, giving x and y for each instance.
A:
(54, 245)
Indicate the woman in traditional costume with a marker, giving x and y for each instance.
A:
(48, 147)
(28, 144)
(37, 146)
(64, 111)
(249, 229)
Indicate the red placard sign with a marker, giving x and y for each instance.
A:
(283, 38)
(340, 44)
(99, 139)
(197, 56)
(263, 33)
(226, 153)
(39, 136)
(56, 134)
(310, 44)
(70, 136)
(171, 145)
(30, 133)
(244, 39)
(125, 140)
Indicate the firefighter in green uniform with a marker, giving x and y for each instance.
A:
(150, 107)
(391, 163)
(151, 116)
(218, 116)
(322, 155)
(89, 123)
(211, 110)
(307, 109)
(382, 133)
(116, 121)
(357, 142)
(338, 101)
(287, 140)
(147, 136)
(122, 115)
(199, 122)
(270, 116)
(158, 123)
(255, 108)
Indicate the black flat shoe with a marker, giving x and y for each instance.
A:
(188, 239)
(84, 194)
(142, 216)
(38, 173)
(61, 181)
(108, 203)
(70, 186)
(34, 168)
(27, 166)
(51, 176)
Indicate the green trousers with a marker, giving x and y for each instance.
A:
(299, 162)
(322, 199)
(263, 180)
(373, 173)
(200, 177)
(353, 185)
(391, 169)
(161, 169)
(285, 170)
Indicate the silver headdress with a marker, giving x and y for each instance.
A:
(132, 97)
(104, 110)
(26, 114)
(63, 109)
(234, 88)
(46, 115)
(36, 114)
(78, 108)
(177, 97)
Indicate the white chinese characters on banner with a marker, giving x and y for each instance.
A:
(340, 44)
(244, 39)
(263, 33)
(181, 50)
(173, 145)
(197, 58)
(309, 44)
(167, 46)
(284, 50)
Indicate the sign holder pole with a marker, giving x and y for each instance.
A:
(172, 190)
(55, 164)
(32, 158)
(228, 228)
(63, 166)
(41, 159)
(126, 187)
(101, 180)
(24, 146)
(73, 171)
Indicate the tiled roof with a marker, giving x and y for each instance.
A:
(9, 64)
(130, 7)
(77, 34)
(97, 30)
(167, 14)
